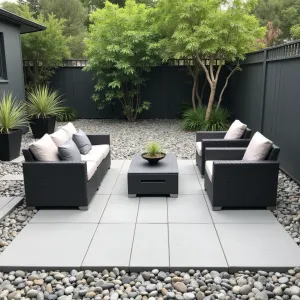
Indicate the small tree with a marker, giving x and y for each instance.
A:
(121, 51)
(212, 31)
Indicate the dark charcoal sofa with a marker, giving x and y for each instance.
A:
(216, 139)
(232, 182)
(63, 183)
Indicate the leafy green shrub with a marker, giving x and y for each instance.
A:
(68, 114)
(153, 148)
(12, 113)
(42, 102)
(195, 119)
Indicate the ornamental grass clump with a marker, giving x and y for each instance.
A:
(194, 119)
(12, 113)
(153, 149)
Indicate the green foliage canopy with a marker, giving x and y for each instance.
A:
(121, 49)
(212, 32)
(284, 14)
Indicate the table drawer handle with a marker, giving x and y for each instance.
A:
(153, 181)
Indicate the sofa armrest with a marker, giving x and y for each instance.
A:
(99, 139)
(200, 135)
(214, 143)
(224, 153)
(60, 172)
(259, 175)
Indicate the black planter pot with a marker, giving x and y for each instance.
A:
(41, 126)
(10, 145)
(153, 160)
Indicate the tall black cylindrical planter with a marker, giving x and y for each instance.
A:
(41, 126)
(10, 145)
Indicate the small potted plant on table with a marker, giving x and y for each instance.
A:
(43, 106)
(153, 153)
(12, 118)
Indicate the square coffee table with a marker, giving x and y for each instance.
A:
(146, 179)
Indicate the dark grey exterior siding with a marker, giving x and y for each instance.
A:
(14, 64)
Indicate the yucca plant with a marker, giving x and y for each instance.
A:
(43, 102)
(12, 113)
(12, 117)
(43, 106)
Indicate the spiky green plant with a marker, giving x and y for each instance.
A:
(42, 102)
(153, 148)
(12, 113)
(194, 119)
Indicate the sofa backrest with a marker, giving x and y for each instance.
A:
(247, 134)
(28, 155)
(274, 153)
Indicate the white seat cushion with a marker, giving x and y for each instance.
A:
(60, 137)
(199, 148)
(258, 148)
(209, 168)
(70, 129)
(45, 149)
(97, 154)
(91, 167)
(235, 131)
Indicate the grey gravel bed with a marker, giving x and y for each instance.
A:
(116, 284)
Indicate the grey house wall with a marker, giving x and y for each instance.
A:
(266, 95)
(14, 64)
(168, 89)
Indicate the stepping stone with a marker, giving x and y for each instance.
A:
(186, 166)
(153, 210)
(189, 185)
(258, 247)
(115, 167)
(18, 160)
(12, 177)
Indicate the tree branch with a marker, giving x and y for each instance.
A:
(205, 70)
(226, 83)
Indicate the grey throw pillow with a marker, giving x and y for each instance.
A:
(69, 151)
(82, 142)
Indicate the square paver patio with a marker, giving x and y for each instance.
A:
(150, 232)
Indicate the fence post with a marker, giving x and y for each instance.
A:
(263, 92)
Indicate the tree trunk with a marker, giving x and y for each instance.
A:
(194, 92)
(211, 100)
(197, 92)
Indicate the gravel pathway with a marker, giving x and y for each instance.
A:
(194, 284)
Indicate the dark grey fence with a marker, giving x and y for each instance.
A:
(266, 95)
(168, 89)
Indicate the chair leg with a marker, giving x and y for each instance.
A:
(83, 208)
(217, 208)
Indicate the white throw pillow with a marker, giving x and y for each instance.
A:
(60, 137)
(70, 129)
(258, 148)
(44, 149)
(235, 131)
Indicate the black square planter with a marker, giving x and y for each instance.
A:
(41, 126)
(10, 145)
